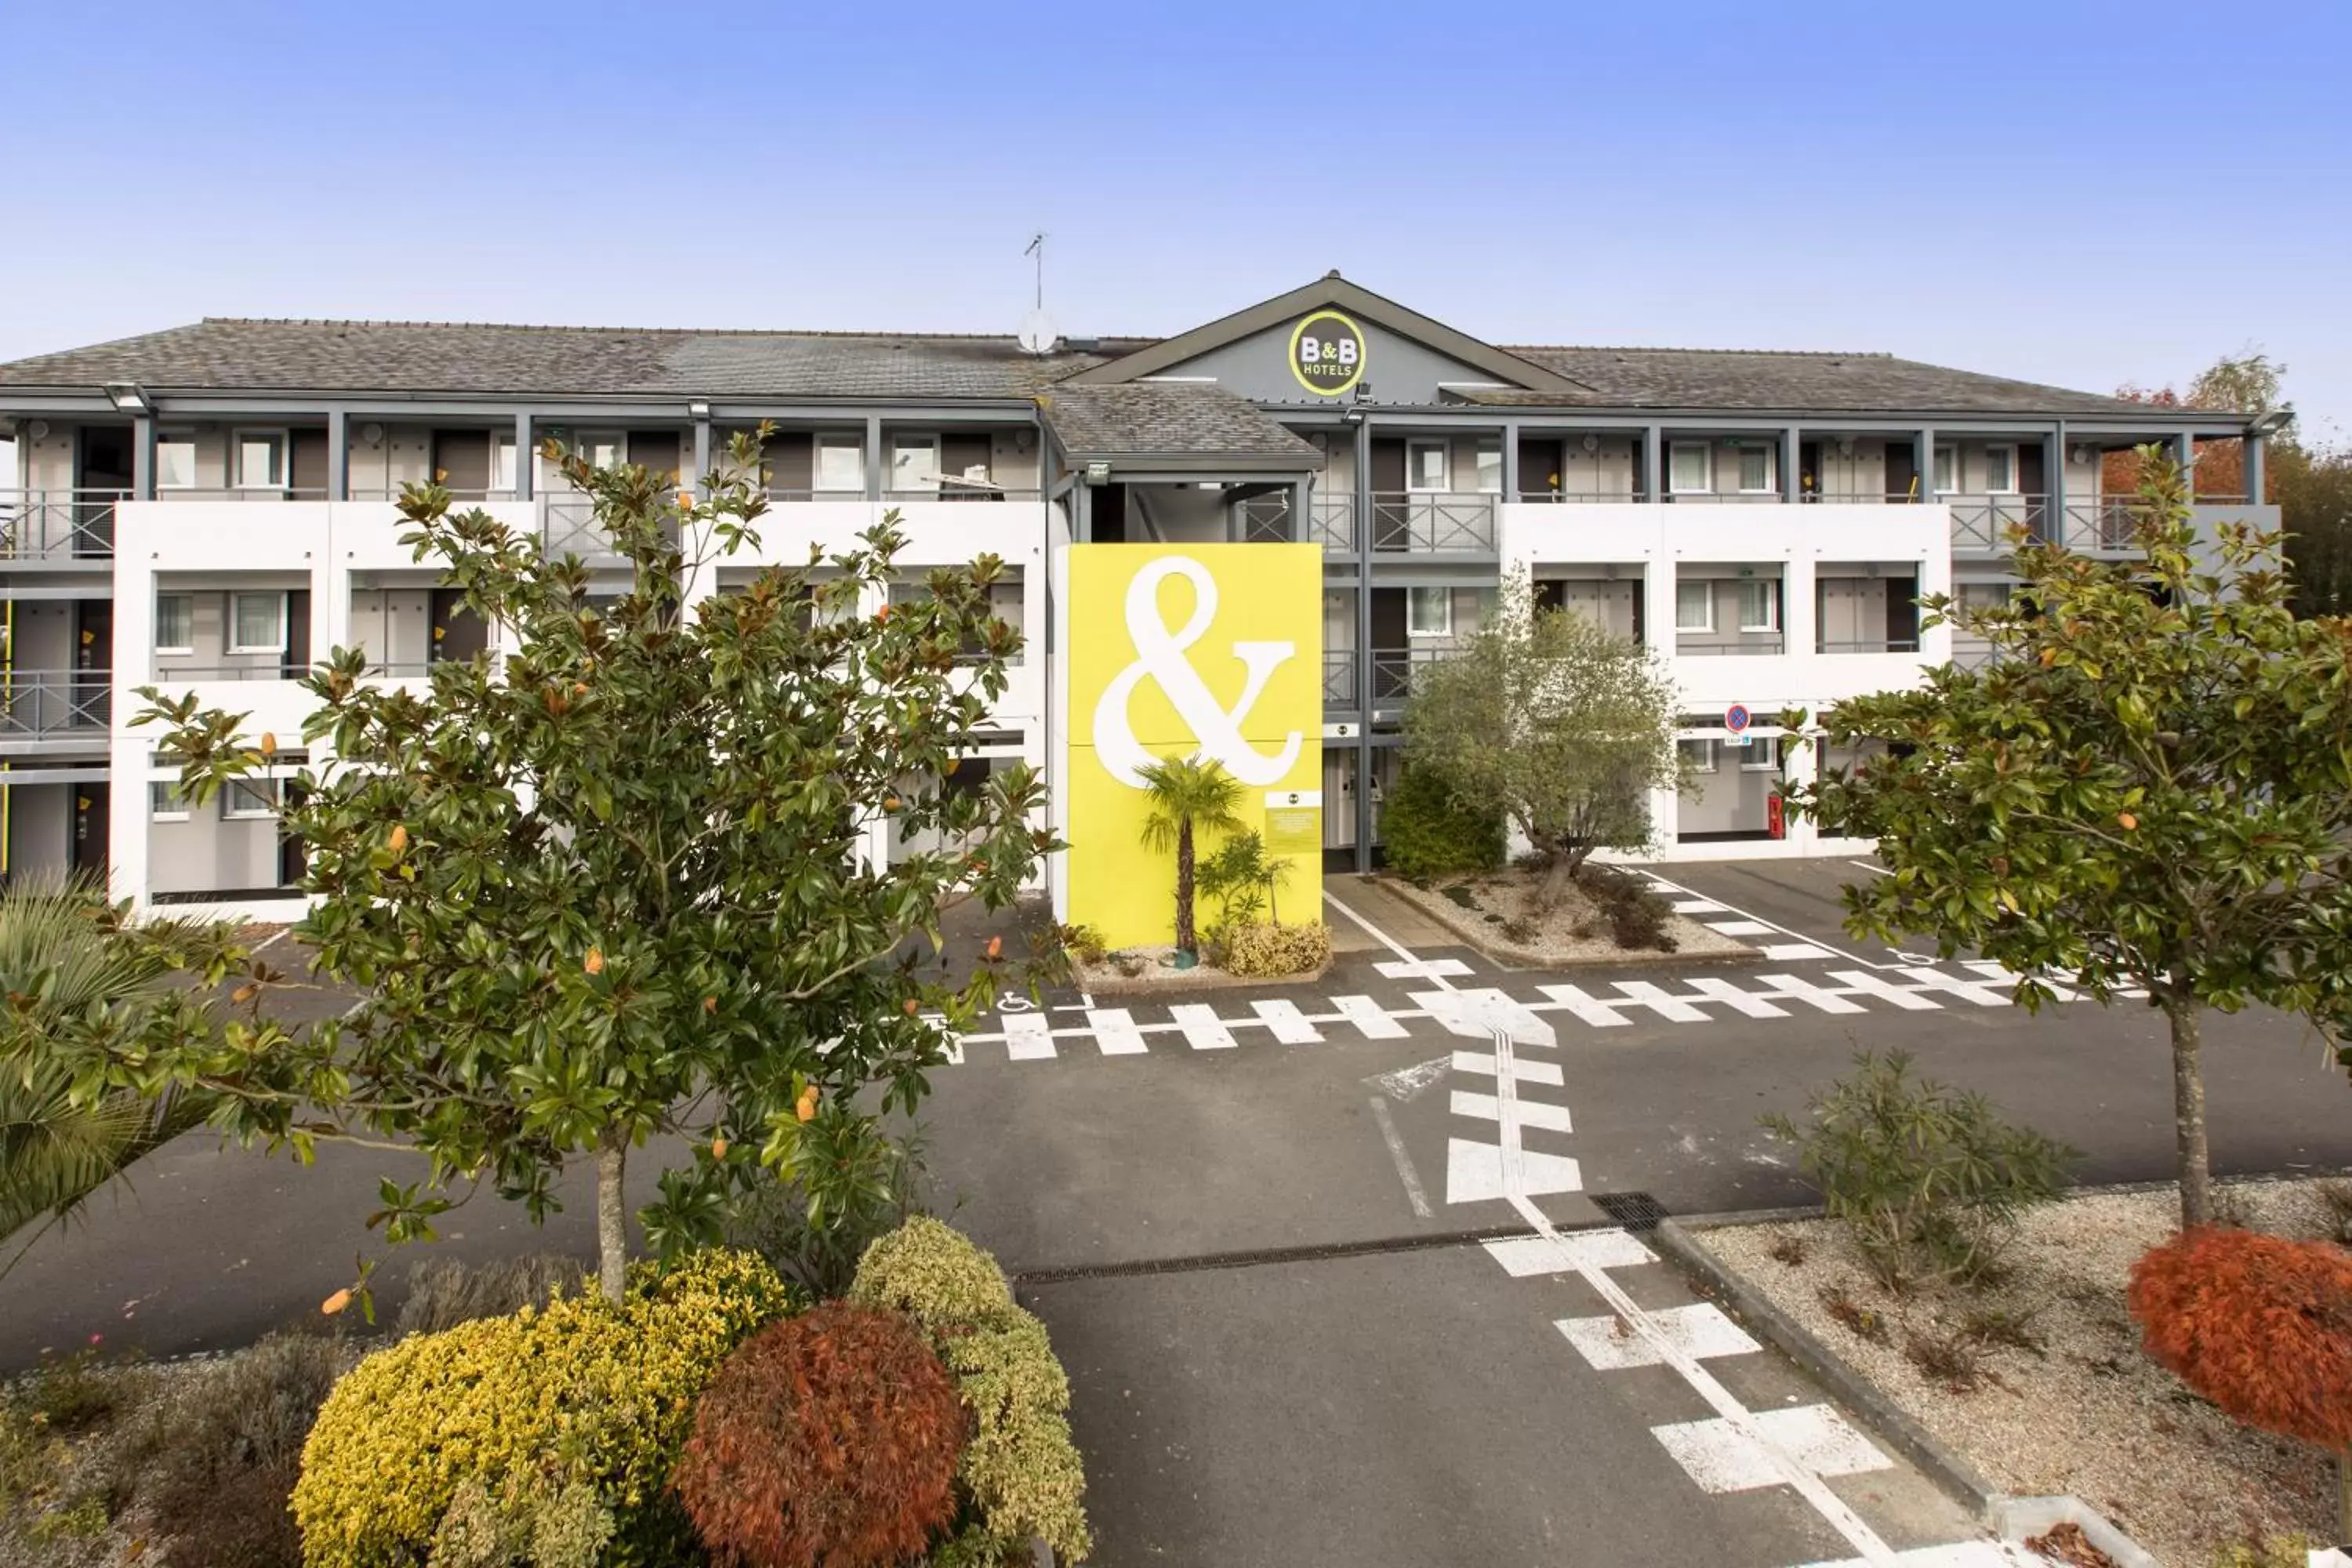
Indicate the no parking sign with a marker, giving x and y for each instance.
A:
(1734, 720)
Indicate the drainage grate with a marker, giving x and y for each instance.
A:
(1637, 1212)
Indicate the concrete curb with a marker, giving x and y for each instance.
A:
(1151, 983)
(1848, 1387)
(1478, 935)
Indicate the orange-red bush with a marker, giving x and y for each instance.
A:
(2260, 1325)
(826, 1439)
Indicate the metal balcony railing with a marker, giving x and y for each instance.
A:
(949, 489)
(2103, 524)
(1746, 643)
(57, 524)
(1434, 522)
(1265, 519)
(1867, 645)
(1858, 498)
(1394, 671)
(1985, 524)
(42, 704)
(1339, 678)
(257, 669)
(1569, 497)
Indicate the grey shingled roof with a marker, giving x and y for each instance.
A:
(1841, 383)
(460, 359)
(507, 361)
(1140, 418)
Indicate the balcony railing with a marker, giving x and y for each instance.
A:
(1984, 524)
(1747, 642)
(57, 524)
(1339, 678)
(42, 704)
(1867, 645)
(1265, 519)
(1620, 494)
(274, 669)
(1859, 497)
(2104, 524)
(1395, 670)
(1434, 522)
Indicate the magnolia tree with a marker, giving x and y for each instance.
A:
(1555, 720)
(2149, 785)
(609, 886)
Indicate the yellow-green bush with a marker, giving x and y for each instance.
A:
(1265, 950)
(527, 1408)
(1020, 1474)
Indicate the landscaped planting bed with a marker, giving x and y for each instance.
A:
(1497, 912)
(2037, 1379)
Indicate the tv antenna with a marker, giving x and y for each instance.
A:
(1038, 334)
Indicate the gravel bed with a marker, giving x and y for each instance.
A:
(1506, 895)
(2089, 1414)
(1157, 973)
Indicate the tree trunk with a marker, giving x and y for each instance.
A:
(2189, 1111)
(1184, 886)
(1558, 875)
(2344, 1499)
(612, 1219)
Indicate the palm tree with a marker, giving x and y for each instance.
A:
(1186, 793)
(63, 957)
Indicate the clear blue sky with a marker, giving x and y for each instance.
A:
(2074, 192)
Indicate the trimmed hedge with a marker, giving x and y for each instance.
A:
(1264, 949)
(1021, 1476)
(1430, 832)
(561, 1422)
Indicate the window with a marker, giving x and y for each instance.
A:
(1763, 755)
(1690, 467)
(2000, 470)
(1947, 470)
(175, 624)
(249, 800)
(165, 802)
(1429, 612)
(175, 461)
(1425, 467)
(1695, 607)
(261, 460)
(1490, 467)
(1698, 756)
(1756, 471)
(1984, 596)
(502, 464)
(915, 463)
(1760, 605)
(256, 623)
(840, 465)
(603, 448)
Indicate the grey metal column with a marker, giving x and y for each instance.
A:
(702, 453)
(1652, 445)
(2184, 452)
(526, 455)
(1510, 462)
(1301, 493)
(339, 456)
(873, 457)
(2256, 494)
(143, 457)
(2054, 469)
(1923, 463)
(1082, 512)
(1791, 481)
(1364, 646)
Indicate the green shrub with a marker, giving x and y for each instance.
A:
(215, 1463)
(1430, 832)
(581, 1394)
(443, 1292)
(1927, 1179)
(1636, 914)
(1021, 1476)
(1264, 949)
(2271, 1551)
(829, 1438)
(771, 1216)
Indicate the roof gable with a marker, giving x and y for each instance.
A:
(1280, 318)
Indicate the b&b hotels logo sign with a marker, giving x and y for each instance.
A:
(1177, 650)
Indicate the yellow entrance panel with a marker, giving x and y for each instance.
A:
(1176, 650)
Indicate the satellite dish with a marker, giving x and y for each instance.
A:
(1038, 334)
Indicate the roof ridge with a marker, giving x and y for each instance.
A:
(1663, 349)
(647, 331)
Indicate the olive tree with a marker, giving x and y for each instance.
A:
(608, 884)
(2149, 787)
(1556, 722)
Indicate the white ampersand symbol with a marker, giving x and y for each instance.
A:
(1160, 656)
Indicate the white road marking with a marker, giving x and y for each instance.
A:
(1796, 990)
(1585, 1007)
(1674, 1009)
(1701, 1331)
(1532, 1112)
(1411, 1177)
(1115, 1032)
(1866, 983)
(1370, 1018)
(1961, 1555)
(1419, 969)
(1028, 1038)
(1699, 907)
(1739, 928)
(1983, 996)
(1203, 1030)
(1739, 1001)
(1474, 1173)
(1522, 1256)
(1794, 936)
(1722, 1458)
(1528, 1072)
(1794, 952)
(1479, 1012)
(1873, 870)
(1289, 1023)
(1406, 1084)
